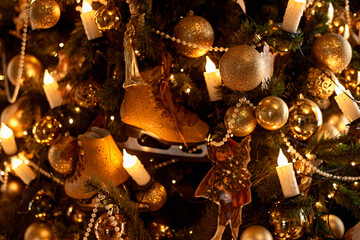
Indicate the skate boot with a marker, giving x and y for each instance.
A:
(99, 158)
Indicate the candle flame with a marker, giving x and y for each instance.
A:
(339, 89)
(210, 66)
(48, 79)
(15, 163)
(282, 160)
(86, 7)
(5, 131)
(129, 160)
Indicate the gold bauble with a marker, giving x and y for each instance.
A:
(39, 231)
(242, 122)
(76, 215)
(32, 68)
(272, 113)
(159, 229)
(85, 94)
(242, 68)
(14, 190)
(339, 121)
(305, 118)
(46, 130)
(20, 115)
(41, 206)
(321, 7)
(154, 196)
(108, 17)
(337, 227)
(44, 14)
(195, 30)
(350, 80)
(63, 155)
(319, 84)
(256, 232)
(286, 223)
(332, 51)
(326, 131)
(105, 230)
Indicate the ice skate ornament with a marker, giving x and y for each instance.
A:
(228, 184)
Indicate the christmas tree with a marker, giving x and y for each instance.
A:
(180, 119)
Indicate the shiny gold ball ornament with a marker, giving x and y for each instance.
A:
(335, 226)
(14, 190)
(339, 26)
(46, 130)
(272, 113)
(242, 68)
(332, 51)
(39, 231)
(41, 206)
(286, 223)
(321, 7)
(108, 17)
(20, 115)
(32, 68)
(319, 83)
(350, 80)
(195, 30)
(63, 155)
(241, 122)
(44, 14)
(154, 196)
(105, 230)
(305, 118)
(256, 232)
(159, 229)
(85, 94)
(339, 121)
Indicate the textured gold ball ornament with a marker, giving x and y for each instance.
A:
(154, 196)
(108, 17)
(256, 232)
(39, 231)
(14, 190)
(322, 7)
(44, 14)
(242, 68)
(32, 68)
(286, 223)
(332, 51)
(241, 123)
(85, 94)
(46, 130)
(20, 115)
(63, 155)
(305, 118)
(195, 30)
(159, 229)
(272, 113)
(319, 84)
(105, 230)
(337, 227)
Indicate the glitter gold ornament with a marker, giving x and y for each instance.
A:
(339, 26)
(335, 226)
(63, 155)
(41, 206)
(44, 14)
(241, 123)
(160, 229)
(319, 84)
(242, 68)
(286, 223)
(32, 68)
(332, 51)
(272, 113)
(20, 115)
(105, 230)
(321, 7)
(108, 17)
(14, 190)
(85, 94)
(46, 130)
(195, 30)
(256, 232)
(154, 196)
(39, 231)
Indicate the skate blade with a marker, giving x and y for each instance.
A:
(173, 150)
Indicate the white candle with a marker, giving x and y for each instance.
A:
(293, 14)
(286, 176)
(269, 59)
(348, 107)
(7, 140)
(88, 19)
(22, 170)
(212, 79)
(51, 90)
(135, 169)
